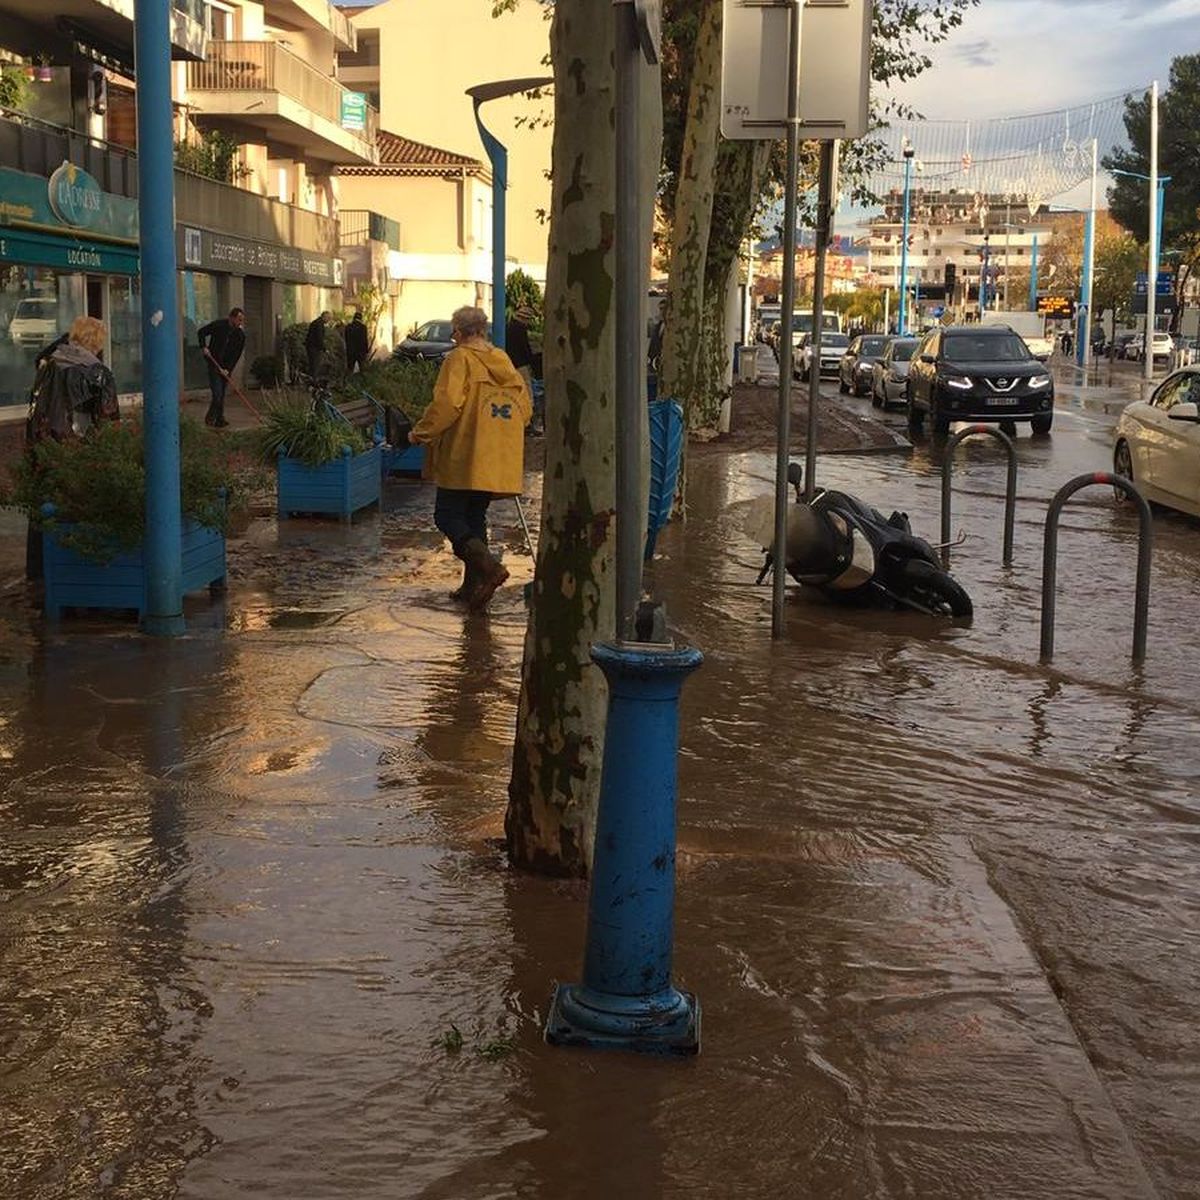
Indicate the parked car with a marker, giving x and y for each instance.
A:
(1120, 344)
(431, 340)
(858, 363)
(833, 346)
(1157, 443)
(889, 376)
(1040, 347)
(1163, 346)
(978, 373)
(34, 322)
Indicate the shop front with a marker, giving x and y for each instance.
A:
(67, 249)
(276, 285)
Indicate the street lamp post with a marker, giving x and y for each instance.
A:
(902, 316)
(498, 156)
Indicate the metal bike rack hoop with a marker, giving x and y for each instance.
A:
(1141, 610)
(1010, 490)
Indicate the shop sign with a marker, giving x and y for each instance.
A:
(69, 200)
(208, 251)
(354, 112)
(76, 198)
(66, 254)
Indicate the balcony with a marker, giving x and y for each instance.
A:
(360, 225)
(313, 14)
(251, 89)
(105, 24)
(38, 147)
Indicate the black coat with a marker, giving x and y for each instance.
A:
(516, 343)
(356, 340)
(224, 340)
(314, 340)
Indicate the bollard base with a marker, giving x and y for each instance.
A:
(667, 1024)
(173, 626)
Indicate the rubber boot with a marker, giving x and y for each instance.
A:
(464, 589)
(489, 573)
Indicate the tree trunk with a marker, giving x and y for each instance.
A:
(559, 743)
(679, 375)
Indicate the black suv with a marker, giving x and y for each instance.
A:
(977, 373)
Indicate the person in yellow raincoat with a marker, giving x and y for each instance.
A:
(475, 433)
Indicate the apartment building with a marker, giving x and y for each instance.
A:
(415, 60)
(260, 121)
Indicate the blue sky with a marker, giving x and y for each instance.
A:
(1017, 56)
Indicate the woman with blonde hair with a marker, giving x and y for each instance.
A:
(475, 433)
(73, 389)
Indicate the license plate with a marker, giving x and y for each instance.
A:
(1002, 401)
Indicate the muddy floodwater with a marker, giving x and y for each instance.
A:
(939, 902)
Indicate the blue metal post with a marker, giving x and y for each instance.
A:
(1162, 195)
(498, 156)
(626, 1000)
(1083, 323)
(983, 278)
(160, 317)
(1033, 276)
(902, 315)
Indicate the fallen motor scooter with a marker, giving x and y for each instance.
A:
(851, 552)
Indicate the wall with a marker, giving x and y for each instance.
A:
(431, 51)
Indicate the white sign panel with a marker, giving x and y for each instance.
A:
(835, 69)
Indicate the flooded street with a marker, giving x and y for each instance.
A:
(939, 902)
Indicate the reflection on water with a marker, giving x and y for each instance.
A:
(939, 903)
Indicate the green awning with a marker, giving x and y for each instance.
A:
(66, 253)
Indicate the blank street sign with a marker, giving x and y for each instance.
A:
(835, 69)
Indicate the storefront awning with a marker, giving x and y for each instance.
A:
(66, 253)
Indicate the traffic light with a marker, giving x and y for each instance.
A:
(951, 277)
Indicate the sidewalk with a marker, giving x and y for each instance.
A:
(257, 883)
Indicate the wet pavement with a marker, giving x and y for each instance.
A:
(938, 901)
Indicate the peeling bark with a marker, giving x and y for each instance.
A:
(559, 746)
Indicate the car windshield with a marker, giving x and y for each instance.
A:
(984, 347)
(873, 346)
(902, 351)
(36, 308)
(839, 340)
(435, 331)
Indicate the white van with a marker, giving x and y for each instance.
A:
(34, 322)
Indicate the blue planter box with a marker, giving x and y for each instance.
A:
(340, 487)
(406, 460)
(73, 581)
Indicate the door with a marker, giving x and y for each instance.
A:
(1177, 463)
(260, 329)
(96, 305)
(1156, 433)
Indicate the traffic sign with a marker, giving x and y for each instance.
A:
(1056, 306)
(835, 69)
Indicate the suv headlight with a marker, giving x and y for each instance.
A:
(1038, 381)
(959, 381)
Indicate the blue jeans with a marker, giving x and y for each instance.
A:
(216, 385)
(461, 515)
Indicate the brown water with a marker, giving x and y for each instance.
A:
(939, 903)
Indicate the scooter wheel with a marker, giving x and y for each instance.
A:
(934, 589)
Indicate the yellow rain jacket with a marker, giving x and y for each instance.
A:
(475, 427)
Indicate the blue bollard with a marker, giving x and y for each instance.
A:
(626, 1000)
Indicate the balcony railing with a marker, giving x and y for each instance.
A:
(359, 225)
(270, 67)
(38, 147)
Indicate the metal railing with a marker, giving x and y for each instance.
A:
(360, 225)
(38, 147)
(1141, 612)
(270, 67)
(1010, 489)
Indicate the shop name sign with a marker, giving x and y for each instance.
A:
(76, 199)
(241, 256)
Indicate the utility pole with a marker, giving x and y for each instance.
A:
(902, 318)
(1083, 352)
(163, 546)
(1152, 281)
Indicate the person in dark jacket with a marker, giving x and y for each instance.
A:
(222, 343)
(45, 353)
(358, 344)
(518, 348)
(72, 391)
(314, 344)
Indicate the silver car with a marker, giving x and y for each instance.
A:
(889, 378)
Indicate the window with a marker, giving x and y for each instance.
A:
(1173, 392)
(986, 347)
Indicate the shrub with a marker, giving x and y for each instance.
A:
(294, 357)
(265, 369)
(97, 484)
(400, 384)
(308, 432)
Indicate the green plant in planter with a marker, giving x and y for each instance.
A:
(97, 485)
(265, 369)
(308, 432)
(407, 386)
(295, 356)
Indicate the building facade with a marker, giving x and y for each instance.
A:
(258, 128)
(415, 60)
